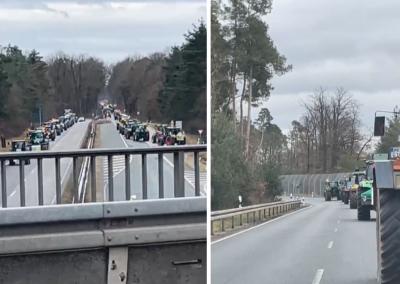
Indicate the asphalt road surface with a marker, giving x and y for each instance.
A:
(69, 140)
(323, 244)
(110, 138)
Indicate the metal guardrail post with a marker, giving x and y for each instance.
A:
(58, 181)
(110, 178)
(179, 181)
(196, 174)
(22, 182)
(93, 177)
(127, 178)
(160, 175)
(40, 180)
(144, 176)
(3, 184)
(75, 178)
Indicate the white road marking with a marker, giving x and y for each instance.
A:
(13, 193)
(338, 221)
(336, 229)
(330, 245)
(262, 224)
(318, 276)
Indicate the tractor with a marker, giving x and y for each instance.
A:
(38, 140)
(20, 146)
(141, 133)
(356, 177)
(331, 190)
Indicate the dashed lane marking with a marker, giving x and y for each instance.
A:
(13, 193)
(336, 229)
(318, 276)
(330, 245)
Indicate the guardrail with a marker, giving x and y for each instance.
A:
(178, 162)
(141, 241)
(229, 219)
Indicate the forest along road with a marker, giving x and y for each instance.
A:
(69, 140)
(323, 243)
(109, 137)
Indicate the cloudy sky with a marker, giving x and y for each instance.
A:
(354, 44)
(110, 30)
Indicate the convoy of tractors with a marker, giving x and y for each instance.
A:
(37, 139)
(377, 187)
(133, 129)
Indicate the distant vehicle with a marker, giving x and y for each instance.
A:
(141, 133)
(49, 131)
(174, 135)
(159, 136)
(20, 146)
(331, 190)
(63, 123)
(130, 128)
(81, 119)
(38, 140)
(356, 177)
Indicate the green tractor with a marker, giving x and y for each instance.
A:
(364, 199)
(141, 133)
(331, 190)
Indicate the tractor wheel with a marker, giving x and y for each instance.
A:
(168, 141)
(153, 139)
(346, 198)
(363, 212)
(388, 226)
(353, 201)
(328, 196)
(147, 137)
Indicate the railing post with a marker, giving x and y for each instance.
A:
(93, 177)
(127, 177)
(22, 182)
(179, 180)
(40, 180)
(160, 175)
(58, 181)
(196, 174)
(110, 178)
(144, 176)
(75, 177)
(3, 184)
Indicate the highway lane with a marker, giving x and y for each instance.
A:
(323, 243)
(110, 138)
(69, 140)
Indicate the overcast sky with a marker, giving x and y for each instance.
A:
(354, 44)
(110, 30)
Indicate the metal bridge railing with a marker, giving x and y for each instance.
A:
(141, 241)
(178, 162)
(229, 219)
